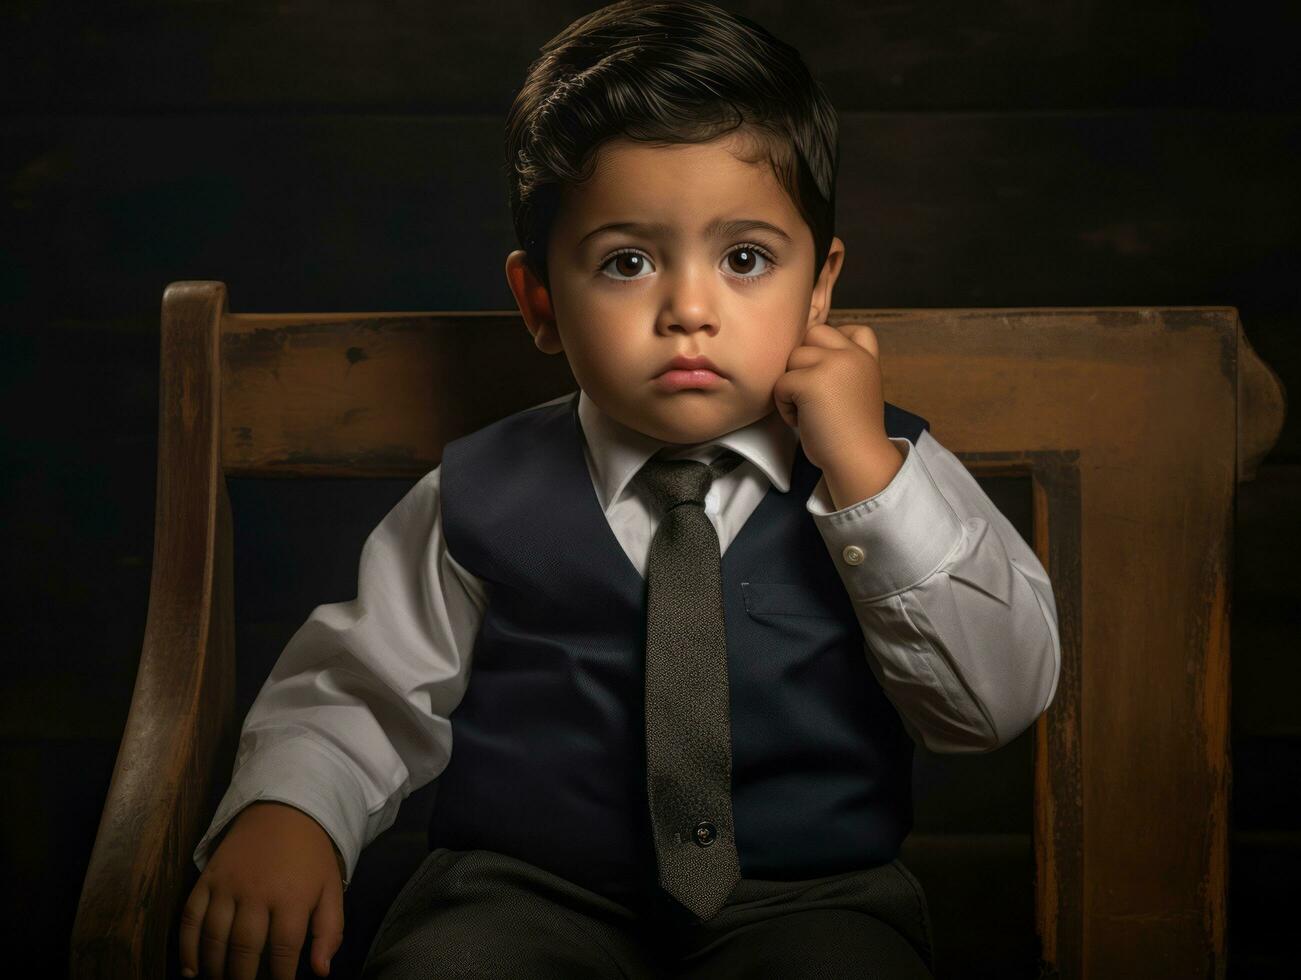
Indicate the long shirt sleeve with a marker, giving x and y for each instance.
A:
(958, 617)
(354, 716)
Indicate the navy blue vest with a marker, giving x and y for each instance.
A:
(548, 758)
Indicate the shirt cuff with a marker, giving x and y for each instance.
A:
(892, 541)
(305, 773)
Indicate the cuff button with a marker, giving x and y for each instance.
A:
(852, 554)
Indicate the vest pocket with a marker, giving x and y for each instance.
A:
(788, 599)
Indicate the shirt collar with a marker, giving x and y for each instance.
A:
(619, 452)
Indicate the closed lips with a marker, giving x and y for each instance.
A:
(683, 363)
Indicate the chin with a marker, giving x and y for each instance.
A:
(687, 435)
(685, 418)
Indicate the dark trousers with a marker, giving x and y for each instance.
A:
(481, 914)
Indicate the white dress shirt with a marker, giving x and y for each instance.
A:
(958, 618)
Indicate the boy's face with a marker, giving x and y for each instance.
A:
(680, 289)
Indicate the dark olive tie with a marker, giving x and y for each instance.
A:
(688, 728)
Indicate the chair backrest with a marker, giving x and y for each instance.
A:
(370, 394)
(1128, 423)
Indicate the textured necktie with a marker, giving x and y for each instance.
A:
(688, 727)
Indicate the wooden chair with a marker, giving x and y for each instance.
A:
(1132, 425)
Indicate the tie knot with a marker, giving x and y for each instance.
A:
(672, 482)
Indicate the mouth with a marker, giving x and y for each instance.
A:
(678, 380)
(689, 372)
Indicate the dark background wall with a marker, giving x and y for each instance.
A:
(320, 156)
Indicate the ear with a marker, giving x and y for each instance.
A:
(534, 303)
(820, 300)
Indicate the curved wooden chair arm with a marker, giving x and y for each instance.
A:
(1262, 408)
(180, 727)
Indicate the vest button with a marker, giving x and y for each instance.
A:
(705, 833)
(853, 554)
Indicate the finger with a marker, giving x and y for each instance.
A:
(825, 335)
(327, 928)
(865, 337)
(213, 935)
(787, 392)
(805, 356)
(248, 934)
(191, 922)
(288, 929)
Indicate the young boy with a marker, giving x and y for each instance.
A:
(831, 584)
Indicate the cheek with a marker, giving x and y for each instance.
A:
(775, 353)
(610, 345)
(763, 364)
(610, 356)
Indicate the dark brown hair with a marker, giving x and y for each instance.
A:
(664, 73)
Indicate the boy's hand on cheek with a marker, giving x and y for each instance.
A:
(832, 391)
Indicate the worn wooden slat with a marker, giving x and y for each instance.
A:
(375, 396)
(1273, 335)
(471, 57)
(180, 730)
(1144, 397)
(1262, 408)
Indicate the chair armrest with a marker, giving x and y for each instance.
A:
(1262, 407)
(180, 727)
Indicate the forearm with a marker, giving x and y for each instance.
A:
(968, 660)
(956, 611)
(863, 475)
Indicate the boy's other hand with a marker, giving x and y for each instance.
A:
(272, 872)
(831, 391)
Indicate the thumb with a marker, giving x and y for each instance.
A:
(785, 395)
(327, 928)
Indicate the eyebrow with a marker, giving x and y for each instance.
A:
(717, 228)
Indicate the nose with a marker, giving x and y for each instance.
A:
(688, 318)
(690, 308)
(693, 325)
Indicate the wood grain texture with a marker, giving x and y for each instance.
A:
(1126, 420)
(373, 396)
(180, 729)
(1146, 397)
(1262, 408)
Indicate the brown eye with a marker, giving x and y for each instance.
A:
(629, 263)
(743, 259)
